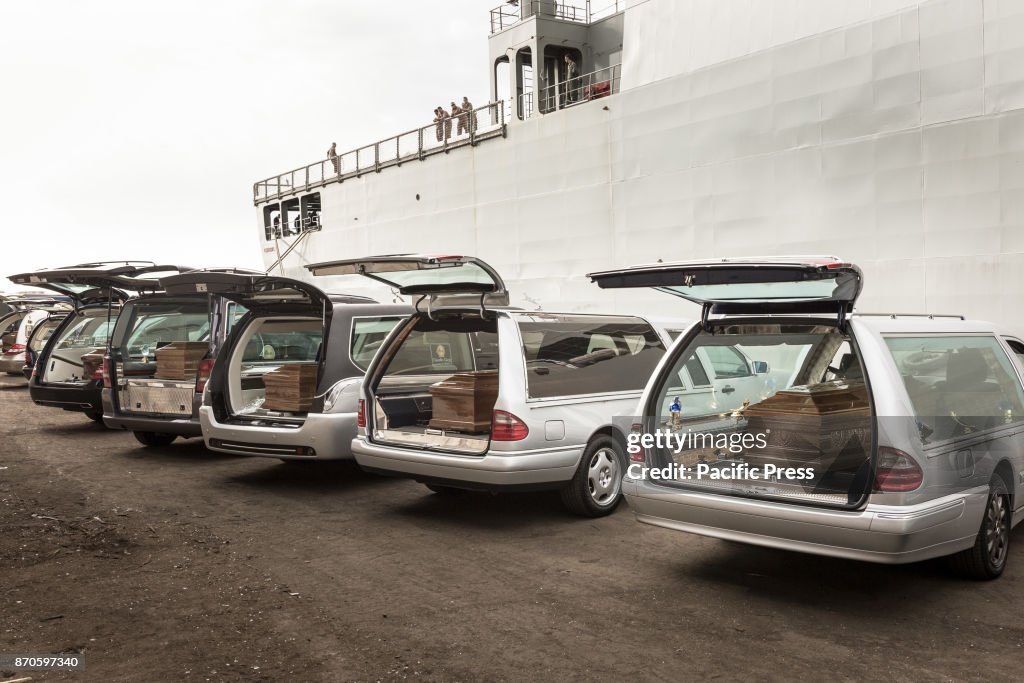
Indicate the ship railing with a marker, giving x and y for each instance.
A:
(482, 123)
(586, 88)
(516, 11)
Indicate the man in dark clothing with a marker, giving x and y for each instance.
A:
(332, 154)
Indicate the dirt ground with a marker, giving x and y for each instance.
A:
(180, 564)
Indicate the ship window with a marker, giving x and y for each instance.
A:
(310, 210)
(290, 219)
(272, 221)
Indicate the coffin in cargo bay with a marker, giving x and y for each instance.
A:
(464, 401)
(180, 360)
(826, 426)
(290, 388)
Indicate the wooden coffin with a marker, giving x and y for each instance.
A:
(91, 362)
(290, 388)
(464, 401)
(180, 360)
(826, 426)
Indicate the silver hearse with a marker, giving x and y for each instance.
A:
(159, 409)
(469, 394)
(291, 329)
(886, 438)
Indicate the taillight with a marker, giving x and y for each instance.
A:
(636, 451)
(203, 373)
(896, 472)
(507, 427)
(15, 348)
(102, 372)
(361, 415)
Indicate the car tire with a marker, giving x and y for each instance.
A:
(445, 490)
(596, 488)
(986, 559)
(94, 416)
(154, 438)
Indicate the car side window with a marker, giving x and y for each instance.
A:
(367, 336)
(1017, 348)
(577, 355)
(696, 371)
(958, 385)
(727, 362)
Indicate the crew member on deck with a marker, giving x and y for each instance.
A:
(332, 154)
(439, 123)
(457, 113)
(471, 120)
(572, 72)
(447, 123)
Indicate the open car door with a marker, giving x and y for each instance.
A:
(776, 285)
(251, 289)
(445, 280)
(97, 282)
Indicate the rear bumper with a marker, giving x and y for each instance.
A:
(84, 398)
(12, 363)
(879, 533)
(493, 469)
(329, 435)
(180, 426)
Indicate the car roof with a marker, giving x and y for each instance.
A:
(894, 323)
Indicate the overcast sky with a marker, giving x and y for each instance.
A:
(132, 129)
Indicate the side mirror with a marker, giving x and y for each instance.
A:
(760, 367)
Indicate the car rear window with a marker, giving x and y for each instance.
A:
(958, 385)
(576, 355)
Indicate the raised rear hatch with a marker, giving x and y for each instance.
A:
(765, 408)
(93, 282)
(785, 284)
(70, 356)
(445, 280)
(248, 288)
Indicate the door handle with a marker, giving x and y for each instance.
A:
(728, 390)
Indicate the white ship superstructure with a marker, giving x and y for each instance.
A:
(889, 132)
